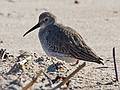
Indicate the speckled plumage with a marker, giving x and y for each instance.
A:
(63, 42)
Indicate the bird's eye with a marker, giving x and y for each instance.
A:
(46, 19)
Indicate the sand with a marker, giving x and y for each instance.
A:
(98, 21)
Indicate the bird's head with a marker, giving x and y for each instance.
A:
(45, 19)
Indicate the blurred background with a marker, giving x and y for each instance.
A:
(98, 21)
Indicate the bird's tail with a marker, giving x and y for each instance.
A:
(99, 61)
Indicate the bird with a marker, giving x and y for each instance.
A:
(62, 42)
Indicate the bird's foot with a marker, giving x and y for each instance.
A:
(76, 63)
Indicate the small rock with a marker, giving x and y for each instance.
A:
(11, 1)
(1, 41)
(1, 14)
(115, 12)
(107, 19)
(9, 14)
(76, 2)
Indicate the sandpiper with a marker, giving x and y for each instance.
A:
(62, 41)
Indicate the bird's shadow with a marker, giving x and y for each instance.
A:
(101, 84)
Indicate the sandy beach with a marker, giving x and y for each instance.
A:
(97, 21)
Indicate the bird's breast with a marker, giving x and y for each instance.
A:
(42, 37)
(46, 40)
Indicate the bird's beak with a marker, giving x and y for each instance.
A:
(33, 28)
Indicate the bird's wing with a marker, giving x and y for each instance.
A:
(68, 41)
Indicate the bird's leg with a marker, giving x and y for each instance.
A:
(75, 63)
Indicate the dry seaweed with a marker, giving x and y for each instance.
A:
(71, 75)
(30, 84)
(115, 66)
